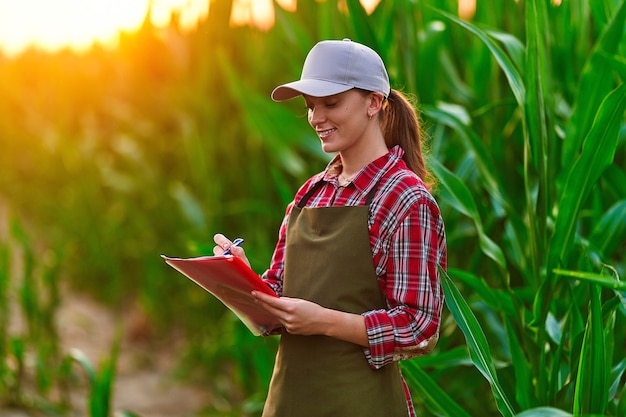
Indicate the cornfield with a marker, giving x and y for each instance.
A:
(114, 156)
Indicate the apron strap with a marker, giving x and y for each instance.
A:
(309, 194)
(305, 199)
(372, 193)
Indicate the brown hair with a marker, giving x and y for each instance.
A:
(401, 126)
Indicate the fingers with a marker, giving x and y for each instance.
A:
(297, 316)
(223, 244)
(268, 299)
(237, 251)
(285, 308)
(273, 305)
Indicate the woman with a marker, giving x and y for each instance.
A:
(356, 264)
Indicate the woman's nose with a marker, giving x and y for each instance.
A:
(316, 116)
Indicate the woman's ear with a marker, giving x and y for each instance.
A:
(375, 103)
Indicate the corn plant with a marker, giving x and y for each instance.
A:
(4, 315)
(30, 286)
(563, 349)
(100, 381)
(33, 373)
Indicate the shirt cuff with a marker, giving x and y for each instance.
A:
(382, 348)
(380, 334)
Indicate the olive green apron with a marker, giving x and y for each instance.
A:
(328, 260)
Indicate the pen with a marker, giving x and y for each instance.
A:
(236, 242)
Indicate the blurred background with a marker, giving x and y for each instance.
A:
(131, 129)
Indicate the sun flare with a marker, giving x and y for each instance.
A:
(78, 24)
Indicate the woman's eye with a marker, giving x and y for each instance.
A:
(311, 107)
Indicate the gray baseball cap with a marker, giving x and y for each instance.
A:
(333, 67)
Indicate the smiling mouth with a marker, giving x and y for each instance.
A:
(325, 133)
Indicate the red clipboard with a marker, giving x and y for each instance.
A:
(231, 281)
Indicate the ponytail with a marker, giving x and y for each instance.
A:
(401, 126)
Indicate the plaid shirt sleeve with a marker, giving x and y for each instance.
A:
(408, 273)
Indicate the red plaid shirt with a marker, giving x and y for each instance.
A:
(407, 238)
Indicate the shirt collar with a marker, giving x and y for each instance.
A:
(370, 173)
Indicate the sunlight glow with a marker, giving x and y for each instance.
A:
(289, 5)
(191, 11)
(52, 25)
(369, 5)
(257, 13)
(467, 9)
(78, 24)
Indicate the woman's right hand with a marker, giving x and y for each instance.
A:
(222, 243)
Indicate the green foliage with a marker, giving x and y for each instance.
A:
(557, 197)
(100, 381)
(28, 289)
(153, 147)
(477, 344)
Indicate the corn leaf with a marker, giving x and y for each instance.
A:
(602, 280)
(360, 24)
(473, 144)
(536, 136)
(80, 357)
(610, 231)
(100, 400)
(558, 376)
(510, 71)
(436, 399)
(591, 391)
(544, 412)
(476, 341)
(523, 388)
(597, 154)
(445, 359)
(496, 299)
(617, 62)
(616, 180)
(537, 76)
(461, 199)
(616, 377)
(595, 82)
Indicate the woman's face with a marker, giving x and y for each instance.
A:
(340, 120)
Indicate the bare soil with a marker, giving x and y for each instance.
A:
(145, 382)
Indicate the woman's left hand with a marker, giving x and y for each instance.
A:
(296, 315)
(307, 318)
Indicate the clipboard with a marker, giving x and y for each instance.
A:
(231, 281)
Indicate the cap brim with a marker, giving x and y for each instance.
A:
(310, 87)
